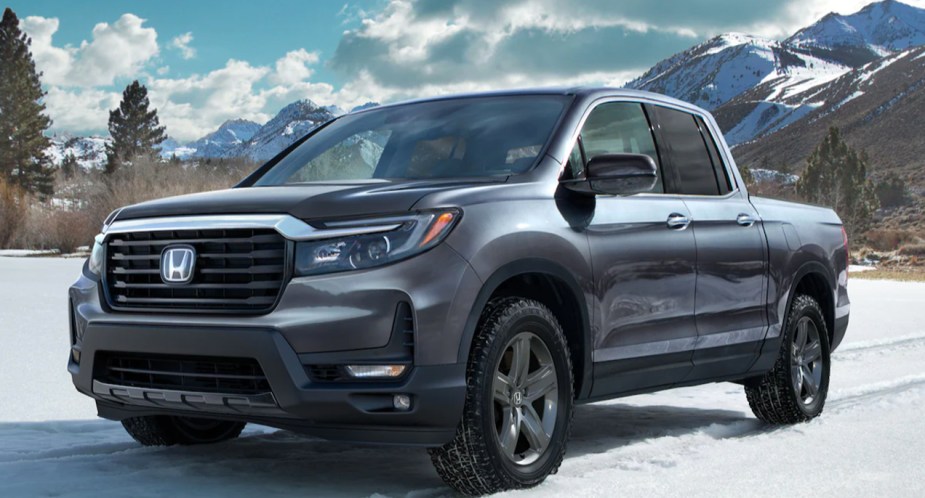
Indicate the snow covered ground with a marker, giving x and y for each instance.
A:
(698, 441)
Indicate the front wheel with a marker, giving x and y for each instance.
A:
(796, 388)
(163, 430)
(519, 402)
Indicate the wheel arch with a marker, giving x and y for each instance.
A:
(815, 280)
(555, 287)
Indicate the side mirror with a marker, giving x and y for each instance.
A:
(616, 174)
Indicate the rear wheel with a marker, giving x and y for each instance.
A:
(796, 389)
(519, 402)
(163, 430)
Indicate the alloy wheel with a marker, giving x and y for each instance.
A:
(525, 399)
(806, 361)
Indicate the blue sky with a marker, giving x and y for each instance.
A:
(208, 61)
(258, 32)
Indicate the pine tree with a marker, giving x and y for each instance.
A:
(22, 123)
(135, 130)
(69, 166)
(836, 176)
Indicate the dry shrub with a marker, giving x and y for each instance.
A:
(13, 204)
(887, 239)
(50, 227)
(912, 250)
(83, 201)
(147, 180)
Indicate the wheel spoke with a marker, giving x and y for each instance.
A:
(510, 430)
(520, 361)
(809, 382)
(533, 429)
(540, 383)
(812, 352)
(796, 372)
(502, 388)
(800, 340)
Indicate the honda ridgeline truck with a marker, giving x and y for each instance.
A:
(458, 273)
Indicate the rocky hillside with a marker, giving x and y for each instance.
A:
(90, 152)
(752, 82)
(878, 107)
(223, 141)
(290, 124)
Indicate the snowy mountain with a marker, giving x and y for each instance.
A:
(752, 82)
(878, 107)
(365, 106)
(171, 148)
(225, 140)
(714, 72)
(289, 125)
(881, 28)
(90, 152)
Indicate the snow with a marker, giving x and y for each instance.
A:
(765, 118)
(19, 253)
(90, 152)
(698, 441)
(762, 175)
(882, 27)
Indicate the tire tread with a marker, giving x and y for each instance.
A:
(465, 463)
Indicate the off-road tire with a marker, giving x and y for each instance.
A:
(472, 463)
(162, 430)
(773, 398)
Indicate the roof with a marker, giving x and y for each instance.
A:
(588, 92)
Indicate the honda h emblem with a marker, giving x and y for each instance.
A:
(177, 264)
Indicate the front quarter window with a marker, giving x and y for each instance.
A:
(454, 138)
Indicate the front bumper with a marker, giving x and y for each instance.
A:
(335, 319)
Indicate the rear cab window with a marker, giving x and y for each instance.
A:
(695, 166)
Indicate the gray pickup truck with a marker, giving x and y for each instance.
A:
(457, 273)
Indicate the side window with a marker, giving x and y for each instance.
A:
(719, 167)
(619, 127)
(687, 152)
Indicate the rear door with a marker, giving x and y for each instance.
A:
(731, 289)
(643, 259)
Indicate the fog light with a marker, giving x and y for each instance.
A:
(374, 371)
(401, 402)
(75, 354)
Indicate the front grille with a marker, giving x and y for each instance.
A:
(182, 373)
(238, 270)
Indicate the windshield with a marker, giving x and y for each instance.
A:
(467, 137)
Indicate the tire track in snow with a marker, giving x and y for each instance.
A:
(854, 350)
(666, 449)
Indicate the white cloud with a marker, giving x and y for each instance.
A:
(116, 50)
(80, 110)
(181, 43)
(293, 67)
(194, 106)
(407, 49)
(81, 80)
(55, 62)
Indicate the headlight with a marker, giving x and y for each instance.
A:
(416, 233)
(95, 263)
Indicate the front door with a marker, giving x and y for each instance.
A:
(643, 261)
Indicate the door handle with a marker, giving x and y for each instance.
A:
(746, 220)
(678, 221)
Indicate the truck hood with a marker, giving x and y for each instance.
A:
(307, 201)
